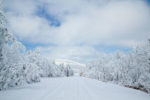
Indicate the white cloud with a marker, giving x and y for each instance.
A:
(116, 22)
(76, 53)
(122, 23)
(33, 29)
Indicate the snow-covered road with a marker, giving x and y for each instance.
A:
(72, 88)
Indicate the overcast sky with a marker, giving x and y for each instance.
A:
(79, 30)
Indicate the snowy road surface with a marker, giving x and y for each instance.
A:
(72, 88)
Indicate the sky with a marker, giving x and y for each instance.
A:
(79, 30)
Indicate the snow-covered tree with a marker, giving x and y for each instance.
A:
(46, 67)
(68, 71)
(14, 69)
(130, 69)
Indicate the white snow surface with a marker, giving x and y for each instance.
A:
(72, 88)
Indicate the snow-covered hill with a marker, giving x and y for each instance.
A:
(67, 61)
(77, 67)
(72, 88)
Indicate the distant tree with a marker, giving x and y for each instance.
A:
(68, 71)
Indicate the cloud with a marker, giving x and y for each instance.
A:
(122, 23)
(76, 53)
(32, 28)
(114, 24)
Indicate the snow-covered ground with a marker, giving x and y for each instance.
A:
(72, 88)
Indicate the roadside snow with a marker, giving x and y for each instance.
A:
(72, 88)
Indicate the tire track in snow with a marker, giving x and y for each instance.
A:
(50, 92)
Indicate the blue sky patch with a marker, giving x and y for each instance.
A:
(53, 21)
(111, 49)
(32, 46)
